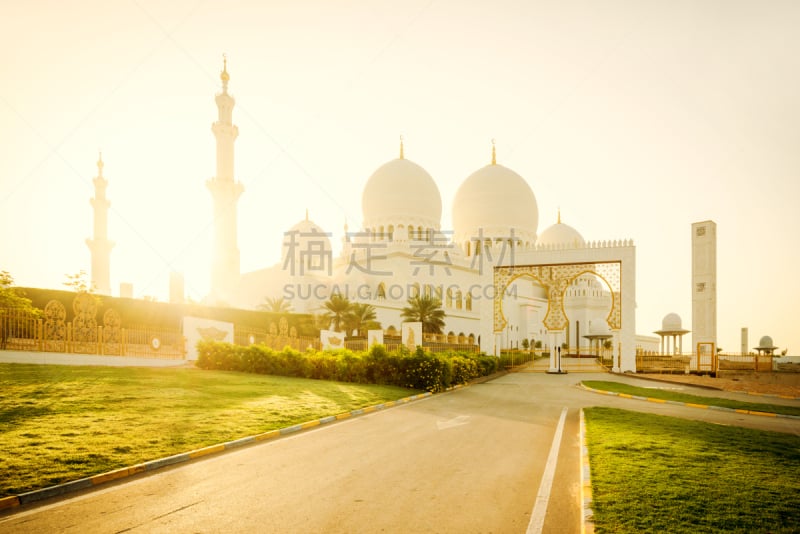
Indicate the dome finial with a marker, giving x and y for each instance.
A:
(306, 213)
(224, 76)
(559, 215)
(100, 163)
(402, 154)
(494, 153)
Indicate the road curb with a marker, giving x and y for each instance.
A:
(587, 518)
(711, 387)
(14, 501)
(687, 404)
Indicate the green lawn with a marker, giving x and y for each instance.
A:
(652, 473)
(61, 423)
(664, 394)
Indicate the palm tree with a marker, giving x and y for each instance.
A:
(426, 310)
(360, 317)
(337, 308)
(276, 305)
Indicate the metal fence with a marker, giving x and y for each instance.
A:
(49, 332)
(654, 362)
(25, 331)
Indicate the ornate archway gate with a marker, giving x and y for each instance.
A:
(614, 264)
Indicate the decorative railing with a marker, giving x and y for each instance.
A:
(655, 362)
(24, 331)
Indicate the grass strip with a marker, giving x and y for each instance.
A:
(63, 423)
(668, 395)
(653, 473)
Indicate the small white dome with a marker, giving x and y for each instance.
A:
(306, 241)
(765, 343)
(401, 192)
(599, 328)
(561, 234)
(671, 322)
(492, 202)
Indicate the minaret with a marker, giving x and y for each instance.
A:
(225, 193)
(100, 246)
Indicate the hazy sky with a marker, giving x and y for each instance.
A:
(636, 117)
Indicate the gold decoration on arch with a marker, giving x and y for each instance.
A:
(556, 279)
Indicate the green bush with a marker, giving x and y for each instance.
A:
(421, 369)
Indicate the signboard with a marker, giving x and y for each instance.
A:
(196, 329)
(331, 340)
(412, 335)
(374, 337)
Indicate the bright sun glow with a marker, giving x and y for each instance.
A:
(635, 118)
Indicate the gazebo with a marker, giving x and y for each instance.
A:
(766, 346)
(671, 328)
(597, 336)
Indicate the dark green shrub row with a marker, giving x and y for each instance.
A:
(417, 370)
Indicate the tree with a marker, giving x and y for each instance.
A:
(79, 283)
(361, 317)
(425, 310)
(12, 302)
(11, 296)
(526, 344)
(276, 305)
(336, 309)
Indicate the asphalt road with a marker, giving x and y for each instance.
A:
(471, 460)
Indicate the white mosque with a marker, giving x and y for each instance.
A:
(500, 279)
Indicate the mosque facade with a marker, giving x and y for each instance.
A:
(500, 280)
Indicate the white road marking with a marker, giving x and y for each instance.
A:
(540, 508)
(455, 421)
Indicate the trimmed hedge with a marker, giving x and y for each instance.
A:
(420, 369)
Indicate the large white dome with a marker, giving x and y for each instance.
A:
(399, 193)
(561, 235)
(491, 202)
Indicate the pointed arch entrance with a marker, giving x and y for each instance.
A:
(556, 278)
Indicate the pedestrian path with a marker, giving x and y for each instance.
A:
(574, 365)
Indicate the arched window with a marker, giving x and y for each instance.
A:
(449, 297)
(468, 303)
(428, 291)
(458, 299)
(467, 247)
(471, 339)
(380, 233)
(391, 232)
(438, 293)
(381, 293)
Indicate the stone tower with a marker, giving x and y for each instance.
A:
(704, 283)
(225, 192)
(100, 246)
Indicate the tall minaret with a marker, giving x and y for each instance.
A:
(225, 193)
(100, 246)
